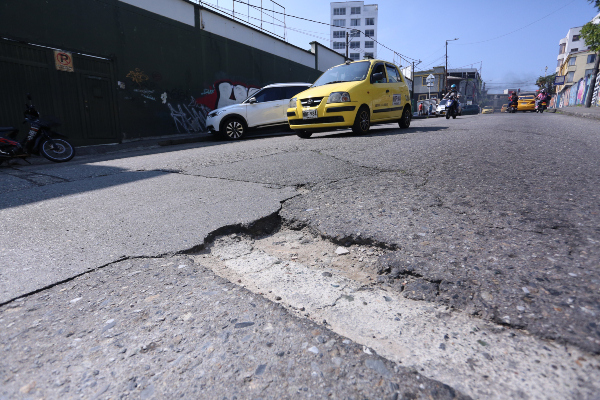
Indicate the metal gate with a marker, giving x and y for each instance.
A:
(84, 100)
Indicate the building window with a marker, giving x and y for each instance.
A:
(355, 45)
(339, 45)
(576, 38)
(570, 77)
(354, 56)
(591, 58)
(369, 55)
(370, 32)
(369, 21)
(574, 50)
(354, 33)
(369, 45)
(355, 10)
(339, 34)
(355, 22)
(561, 48)
(339, 11)
(424, 81)
(339, 22)
(572, 61)
(423, 97)
(588, 72)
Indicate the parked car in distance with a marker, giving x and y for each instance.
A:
(265, 108)
(526, 103)
(352, 95)
(441, 108)
(504, 108)
(487, 110)
(470, 109)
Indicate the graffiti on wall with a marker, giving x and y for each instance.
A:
(188, 112)
(226, 93)
(138, 76)
(190, 118)
(577, 93)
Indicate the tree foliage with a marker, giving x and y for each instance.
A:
(591, 34)
(596, 3)
(546, 82)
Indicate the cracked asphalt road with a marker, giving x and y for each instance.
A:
(496, 215)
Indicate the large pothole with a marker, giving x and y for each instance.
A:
(337, 286)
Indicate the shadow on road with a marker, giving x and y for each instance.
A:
(21, 187)
(382, 131)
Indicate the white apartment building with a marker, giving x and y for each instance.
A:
(572, 43)
(360, 22)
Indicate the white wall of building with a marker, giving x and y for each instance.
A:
(326, 58)
(174, 9)
(217, 24)
(367, 12)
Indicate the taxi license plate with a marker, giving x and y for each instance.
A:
(309, 114)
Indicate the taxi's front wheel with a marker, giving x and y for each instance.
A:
(405, 120)
(362, 122)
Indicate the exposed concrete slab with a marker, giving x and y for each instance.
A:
(480, 359)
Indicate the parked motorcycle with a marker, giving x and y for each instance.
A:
(40, 140)
(451, 108)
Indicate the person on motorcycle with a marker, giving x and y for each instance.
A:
(543, 96)
(514, 100)
(453, 93)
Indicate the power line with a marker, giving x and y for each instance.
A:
(301, 31)
(516, 30)
(407, 58)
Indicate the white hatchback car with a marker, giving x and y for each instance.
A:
(265, 108)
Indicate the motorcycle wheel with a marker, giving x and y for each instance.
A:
(447, 115)
(542, 111)
(57, 150)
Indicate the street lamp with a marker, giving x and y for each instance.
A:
(446, 83)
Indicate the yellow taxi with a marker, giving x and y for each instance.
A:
(352, 95)
(526, 103)
(487, 110)
(504, 108)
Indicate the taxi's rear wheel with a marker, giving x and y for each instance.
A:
(405, 120)
(362, 122)
(233, 128)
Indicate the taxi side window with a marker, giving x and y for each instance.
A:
(378, 69)
(393, 75)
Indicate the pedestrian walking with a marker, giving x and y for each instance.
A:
(420, 109)
(430, 108)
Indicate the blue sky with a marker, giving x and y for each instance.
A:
(418, 29)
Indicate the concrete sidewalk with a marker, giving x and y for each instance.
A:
(592, 112)
(145, 143)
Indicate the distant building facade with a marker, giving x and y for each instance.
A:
(572, 43)
(422, 91)
(360, 22)
(468, 82)
(576, 65)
